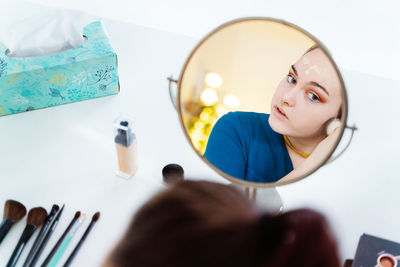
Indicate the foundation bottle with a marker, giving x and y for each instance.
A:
(125, 142)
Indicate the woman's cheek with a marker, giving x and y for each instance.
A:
(315, 121)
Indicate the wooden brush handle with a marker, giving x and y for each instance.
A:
(4, 228)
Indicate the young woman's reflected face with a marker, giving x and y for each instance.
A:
(307, 97)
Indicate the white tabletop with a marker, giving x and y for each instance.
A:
(66, 154)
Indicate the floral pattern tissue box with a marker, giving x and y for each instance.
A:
(81, 73)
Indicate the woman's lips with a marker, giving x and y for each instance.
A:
(280, 113)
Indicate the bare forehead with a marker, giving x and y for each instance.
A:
(316, 56)
(315, 66)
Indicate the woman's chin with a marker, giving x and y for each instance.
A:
(277, 125)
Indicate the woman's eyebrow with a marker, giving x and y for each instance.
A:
(294, 69)
(312, 82)
(318, 85)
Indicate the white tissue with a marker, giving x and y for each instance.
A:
(30, 30)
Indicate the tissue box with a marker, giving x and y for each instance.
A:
(81, 73)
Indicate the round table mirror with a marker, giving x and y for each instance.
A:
(262, 102)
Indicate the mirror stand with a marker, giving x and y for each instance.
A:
(266, 199)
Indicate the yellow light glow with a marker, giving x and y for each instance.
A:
(209, 111)
(213, 80)
(231, 101)
(199, 125)
(197, 145)
(204, 116)
(209, 97)
(221, 111)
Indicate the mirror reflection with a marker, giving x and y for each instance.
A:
(262, 101)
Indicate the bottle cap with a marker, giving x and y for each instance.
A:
(172, 173)
(123, 131)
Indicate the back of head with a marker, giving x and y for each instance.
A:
(208, 224)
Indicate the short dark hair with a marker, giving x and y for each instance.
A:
(208, 224)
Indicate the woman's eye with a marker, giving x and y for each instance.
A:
(313, 97)
(291, 79)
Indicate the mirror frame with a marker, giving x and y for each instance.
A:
(226, 175)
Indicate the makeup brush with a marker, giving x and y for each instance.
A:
(60, 240)
(67, 240)
(41, 234)
(50, 231)
(95, 217)
(13, 212)
(36, 218)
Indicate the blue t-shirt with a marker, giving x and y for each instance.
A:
(243, 145)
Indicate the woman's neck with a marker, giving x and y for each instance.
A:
(305, 145)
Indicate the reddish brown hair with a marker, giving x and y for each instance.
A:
(209, 224)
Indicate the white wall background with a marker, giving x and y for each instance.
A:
(363, 36)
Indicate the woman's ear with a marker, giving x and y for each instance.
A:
(331, 125)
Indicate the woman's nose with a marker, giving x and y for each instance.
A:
(289, 98)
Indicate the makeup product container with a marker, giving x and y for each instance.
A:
(125, 142)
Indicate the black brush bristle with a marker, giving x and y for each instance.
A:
(14, 210)
(37, 216)
(96, 216)
(55, 207)
(77, 215)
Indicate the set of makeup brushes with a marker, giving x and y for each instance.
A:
(14, 211)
